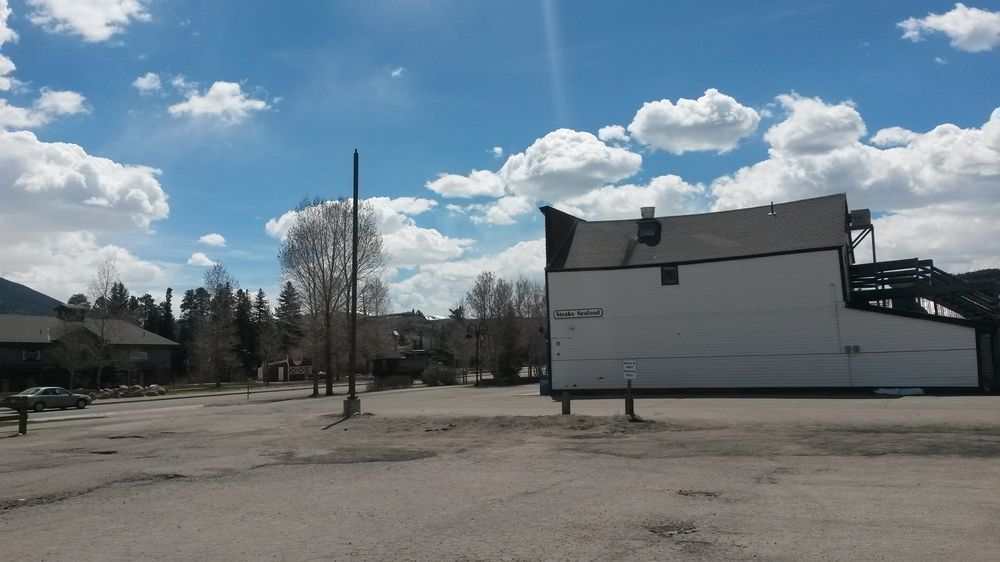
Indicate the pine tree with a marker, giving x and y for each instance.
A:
(166, 328)
(266, 329)
(246, 333)
(289, 318)
(79, 299)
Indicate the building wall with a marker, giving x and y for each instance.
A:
(777, 321)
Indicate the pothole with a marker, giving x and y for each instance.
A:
(672, 530)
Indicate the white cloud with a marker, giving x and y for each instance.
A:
(564, 163)
(62, 263)
(213, 239)
(502, 211)
(6, 35)
(714, 121)
(477, 183)
(497, 152)
(934, 185)
(199, 259)
(224, 101)
(894, 136)
(181, 84)
(58, 187)
(148, 83)
(406, 243)
(94, 20)
(434, 288)
(54, 103)
(814, 127)
(49, 105)
(397, 72)
(670, 194)
(613, 134)
(970, 29)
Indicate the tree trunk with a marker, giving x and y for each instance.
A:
(328, 349)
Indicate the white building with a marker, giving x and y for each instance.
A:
(768, 297)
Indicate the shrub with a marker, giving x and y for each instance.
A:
(439, 375)
(389, 383)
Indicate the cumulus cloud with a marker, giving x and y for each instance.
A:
(714, 122)
(6, 35)
(613, 134)
(933, 186)
(478, 183)
(497, 152)
(224, 101)
(561, 164)
(93, 20)
(502, 211)
(49, 105)
(436, 287)
(407, 243)
(670, 194)
(213, 239)
(62, 263)
(565, 163)
(48, 186)
(894, 136)
(199, 259)
(148, 83)
(397, 72)
(814, 127)
(970, 29)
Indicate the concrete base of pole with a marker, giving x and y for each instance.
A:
(352, 406)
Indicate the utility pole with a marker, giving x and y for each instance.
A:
(352, 405)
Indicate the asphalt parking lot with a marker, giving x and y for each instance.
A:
(498, 474)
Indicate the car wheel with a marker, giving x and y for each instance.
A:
(81, 404)
(39, 406)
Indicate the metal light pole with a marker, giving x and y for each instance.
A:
(352, 405)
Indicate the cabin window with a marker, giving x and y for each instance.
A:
(35, 355)
(668, 275)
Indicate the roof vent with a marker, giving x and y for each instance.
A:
(649, 231)
(647, 212)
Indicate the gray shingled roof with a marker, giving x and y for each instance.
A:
(796, 226)
(19, 328)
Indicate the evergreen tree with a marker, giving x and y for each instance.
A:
(266, 330)
(166, 328)
(79, 299)
(149, 313)
(288, 315)
(246, 333)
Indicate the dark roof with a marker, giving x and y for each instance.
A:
(18, 299)
(808, 224)
(22, 328)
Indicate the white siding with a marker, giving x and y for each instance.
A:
(776, 321)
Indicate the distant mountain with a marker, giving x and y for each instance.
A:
(989, 275)
(18, 299)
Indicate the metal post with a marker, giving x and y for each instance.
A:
(353, 405)
(478, 370)
(22, 421)
(629, 401)
(565, 403)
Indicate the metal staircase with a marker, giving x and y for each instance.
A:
(900, 283)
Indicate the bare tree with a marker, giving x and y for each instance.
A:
(72, 349)
(104, 317)
(217, 334)
(373, 328)
(316, 258)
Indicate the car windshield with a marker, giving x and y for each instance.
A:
(29, 391)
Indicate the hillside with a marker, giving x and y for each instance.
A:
(18, 299)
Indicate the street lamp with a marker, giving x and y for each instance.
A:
(480, 332)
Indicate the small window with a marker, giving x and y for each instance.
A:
(668, 275)
(35, 355)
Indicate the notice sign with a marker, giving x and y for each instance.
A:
(628, 369)
(578, 313)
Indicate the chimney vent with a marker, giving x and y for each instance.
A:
(647, 212)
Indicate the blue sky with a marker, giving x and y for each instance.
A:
(133, 128)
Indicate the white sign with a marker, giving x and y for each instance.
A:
(578, 313)
(628, 369)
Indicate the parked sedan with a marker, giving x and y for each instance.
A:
(41, 397)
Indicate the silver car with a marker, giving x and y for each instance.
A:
(41, 397)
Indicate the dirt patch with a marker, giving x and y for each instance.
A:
(698, 493)
(352, 455)
(55, 498)
(672, 529)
